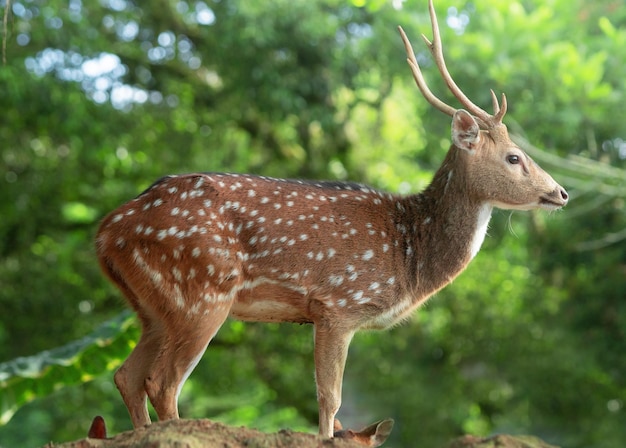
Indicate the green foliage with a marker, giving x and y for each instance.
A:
(101, 99)
(24, 379)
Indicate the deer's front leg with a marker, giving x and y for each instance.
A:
(331, 351)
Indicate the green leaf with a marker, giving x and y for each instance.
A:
(24, 379)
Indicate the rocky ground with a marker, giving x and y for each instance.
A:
(208, 434)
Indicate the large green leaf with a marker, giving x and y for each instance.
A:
(26, 378)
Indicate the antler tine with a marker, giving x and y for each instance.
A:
(419, 78)
(494, 101)
(498, 111)
(436, 49)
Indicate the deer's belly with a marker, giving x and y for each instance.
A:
(271, 301)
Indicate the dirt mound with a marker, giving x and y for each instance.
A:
(500, 441)
(208, 434)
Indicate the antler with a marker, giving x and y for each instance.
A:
(485, 119)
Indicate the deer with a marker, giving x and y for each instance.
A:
(194, 249)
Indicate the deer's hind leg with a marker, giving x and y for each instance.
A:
(179, 319)
(187, 336)
(130, 377)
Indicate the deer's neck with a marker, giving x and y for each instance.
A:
(449, 228)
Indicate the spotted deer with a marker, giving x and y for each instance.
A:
(194, 249)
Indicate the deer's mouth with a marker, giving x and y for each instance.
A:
(550, 203)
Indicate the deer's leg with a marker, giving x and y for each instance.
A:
(187, 339)
(331, 351)
(130, 377)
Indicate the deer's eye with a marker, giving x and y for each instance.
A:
(513, 159)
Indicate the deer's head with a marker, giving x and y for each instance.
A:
(499, 171)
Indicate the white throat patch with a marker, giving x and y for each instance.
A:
(482, 223)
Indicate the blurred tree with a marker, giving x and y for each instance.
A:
(100, 99)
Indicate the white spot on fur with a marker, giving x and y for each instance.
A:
(335, 280)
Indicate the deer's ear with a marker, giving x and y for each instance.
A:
(465, 131)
